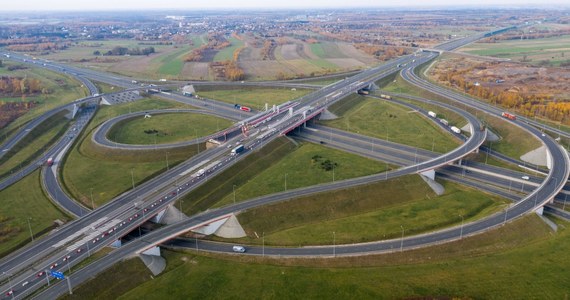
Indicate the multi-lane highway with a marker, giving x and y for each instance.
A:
(315, 101)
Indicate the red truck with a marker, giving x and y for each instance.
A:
(509, 116)
(49, 162)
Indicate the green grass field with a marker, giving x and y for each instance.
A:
(254, 97)
(366, 213)
(395, 123)
(89, 167)
(514, 141)
(218, 187)
(35, 143)
(303, 167)
(228, 52)
(173, 63)
(20, 201)
(553, 49)
(172, 127)
(64, 89)
(518, 261)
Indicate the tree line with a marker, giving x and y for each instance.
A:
(120, 51)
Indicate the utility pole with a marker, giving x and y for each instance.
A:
(30, 227)
(402, 240)
(234, 189)
(133, 179)
(461, 232)
(92, 203)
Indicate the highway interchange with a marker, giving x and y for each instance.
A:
(159, 191)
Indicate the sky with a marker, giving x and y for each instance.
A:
(41, 5)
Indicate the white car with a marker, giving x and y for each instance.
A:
(525, 177)
(239, 249)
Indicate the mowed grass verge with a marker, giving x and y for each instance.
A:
(253, 97)
(382, 119)
(22, 201)
(309, 164)
(166, 128)
(518, 261)
(108, 171)
(218, 187)
(514, 141)
(34, 144)
(366, 213)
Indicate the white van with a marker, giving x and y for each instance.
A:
(525, 177)
(239, 249)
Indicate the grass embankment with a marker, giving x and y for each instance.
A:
(239, 174)
(253, 97)
(366, 213)
(64, 90)
(107, 88)
(22, 201)
(309, 164)
(166, 128)
(382, 119)
(108, 171)
(34, 144)
(518, 261)
(514, 141)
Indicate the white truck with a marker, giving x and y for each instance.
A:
(432, 114)
(455, 129)
(444, 122)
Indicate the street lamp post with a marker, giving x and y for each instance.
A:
(133, 179)
(30, 227)
(263, 243)
(234, 190)
(334, 244)
(402, 240)
(564, 205)
(167, 167)
(92, 203)
(10, 282)
(285, 181)
(461, 231)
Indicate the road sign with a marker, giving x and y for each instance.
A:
(58, 275)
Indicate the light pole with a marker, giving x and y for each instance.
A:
(92, 203)
(10, 282)
(234, 189)
(133, 178)
(488, 150)
(461, 232)
(30, 227)
(564, 205)
(334, 244)
(166, 153)
(402, 240)
(263, 243)
(285, 181)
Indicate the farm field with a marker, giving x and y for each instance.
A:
(167, 128)
(533, 51)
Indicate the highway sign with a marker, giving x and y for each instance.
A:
(58, 275)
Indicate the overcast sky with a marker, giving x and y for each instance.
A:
(39, 5)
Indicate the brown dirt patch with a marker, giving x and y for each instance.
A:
(354, 53)
(289, 51)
